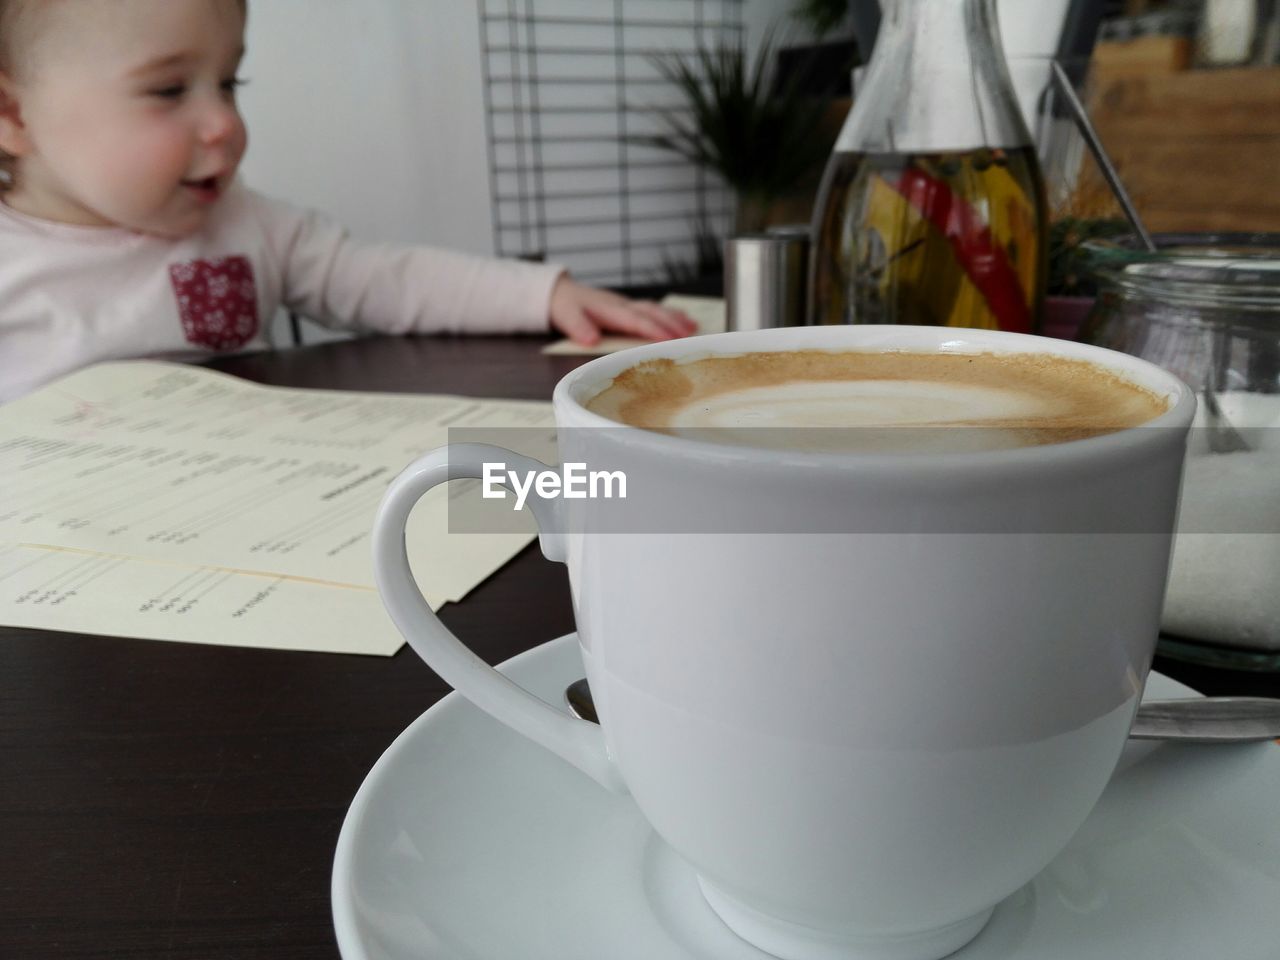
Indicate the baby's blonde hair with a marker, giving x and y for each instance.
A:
(18, 19)
(6, 15)
(10, 15)
(15, 29)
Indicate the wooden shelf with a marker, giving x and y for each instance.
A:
(1198, 149)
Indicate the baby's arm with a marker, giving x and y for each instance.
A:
(388, 288)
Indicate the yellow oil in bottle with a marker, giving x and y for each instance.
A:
(941, 239)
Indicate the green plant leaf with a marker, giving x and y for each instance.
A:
(762, 142)
(1070, 272)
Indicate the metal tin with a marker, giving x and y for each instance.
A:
(765, 275)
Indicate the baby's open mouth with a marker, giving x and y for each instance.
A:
(206, 188)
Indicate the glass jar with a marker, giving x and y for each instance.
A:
(932, 207)
(1207, 308)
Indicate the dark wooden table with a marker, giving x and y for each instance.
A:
(168, 801)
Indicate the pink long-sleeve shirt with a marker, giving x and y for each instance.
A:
(73, 295)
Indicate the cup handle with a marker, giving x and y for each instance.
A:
(577, 741)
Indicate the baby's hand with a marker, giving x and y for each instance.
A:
(582, 313)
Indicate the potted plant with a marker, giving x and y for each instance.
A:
(763, 138)
(1072, 287)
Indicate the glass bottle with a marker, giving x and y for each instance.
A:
(932, 208)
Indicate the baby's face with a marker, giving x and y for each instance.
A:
(129, 107)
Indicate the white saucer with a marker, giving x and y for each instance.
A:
(467, 841)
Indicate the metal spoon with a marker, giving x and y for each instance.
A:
(1223, 437)
(1197, 720)
(1094, 143)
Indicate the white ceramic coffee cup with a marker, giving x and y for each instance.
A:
(862, 742)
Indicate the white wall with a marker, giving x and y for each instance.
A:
(373, 111)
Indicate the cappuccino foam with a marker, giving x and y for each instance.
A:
(866, 401)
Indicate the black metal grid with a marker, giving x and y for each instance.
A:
(566, 83)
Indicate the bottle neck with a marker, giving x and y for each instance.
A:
(937, 82)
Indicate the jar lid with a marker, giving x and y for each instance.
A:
(1237, 270)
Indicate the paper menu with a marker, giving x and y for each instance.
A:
(192, 466)
(189, 467)
(55, 589)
